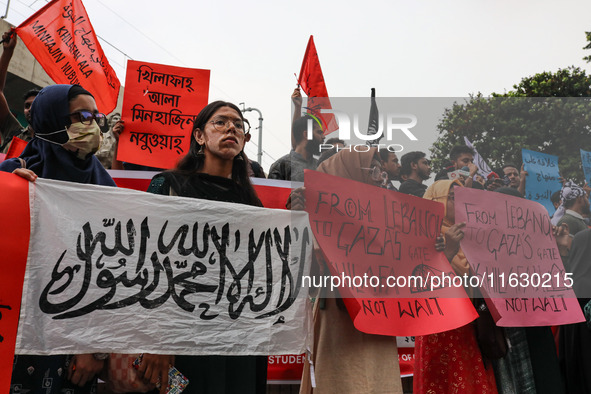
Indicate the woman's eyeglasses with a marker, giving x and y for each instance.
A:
(223, 125)
(86, 118)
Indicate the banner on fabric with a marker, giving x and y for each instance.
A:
(511, 249)
(379, 246)
(132, 272)
(14, 237)
(62, 39)
(273, 193)
(160, 104)
(542, 177)
(483, 167)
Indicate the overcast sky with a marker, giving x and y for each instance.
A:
(402, 48)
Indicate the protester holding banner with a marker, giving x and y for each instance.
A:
(61, 115)
(346, 360)
(534, 362)
(451, 361)
(514, 372)
(216, 169)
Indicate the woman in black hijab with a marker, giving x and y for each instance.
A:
(67, 124)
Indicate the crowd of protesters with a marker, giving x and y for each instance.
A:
(64, 133)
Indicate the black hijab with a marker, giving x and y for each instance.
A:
(50, 114)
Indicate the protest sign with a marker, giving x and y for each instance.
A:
(542, 177)
(286, 369)
(63, 41)
(510, 247)
(160, 104)
(586, 161)
(406, 355)
(14, 236)
(312, 82)
(144, 273)
(384, 242)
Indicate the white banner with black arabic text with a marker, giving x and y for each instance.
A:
(122, 271)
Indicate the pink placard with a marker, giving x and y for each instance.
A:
(511, 249)
(388, 239)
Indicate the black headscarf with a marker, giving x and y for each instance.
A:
(49, 114)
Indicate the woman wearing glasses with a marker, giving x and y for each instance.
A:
(215, 169)
(67, 128)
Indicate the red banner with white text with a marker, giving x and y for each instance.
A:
(63, 41)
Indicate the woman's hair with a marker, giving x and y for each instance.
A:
(193, 161)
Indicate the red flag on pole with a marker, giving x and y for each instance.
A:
(17, 146)
(312, 82)
(63, 41)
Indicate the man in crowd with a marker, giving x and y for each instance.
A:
(575, 202)
(460, 156)
(109, 143)
(292, 166)
(513, 178)
(10, 127)
(390, 164)
(417, 169)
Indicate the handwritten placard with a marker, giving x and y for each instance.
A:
(542, 177)
(14, 237)
(160, 104)
(63, 41)
(586, 161)
(510, 247)
(384, 241)
(179, 263)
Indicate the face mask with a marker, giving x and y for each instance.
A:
(84, 140)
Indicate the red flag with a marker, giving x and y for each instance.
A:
(312, 82)
(62, 40)
(16, 148)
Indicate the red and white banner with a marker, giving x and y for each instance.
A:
(62, 39)
(14, 243)
(117, 254)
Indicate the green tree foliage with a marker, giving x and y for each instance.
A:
(501, 125)
(588, 46)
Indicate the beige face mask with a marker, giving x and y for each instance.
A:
(84, 139)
